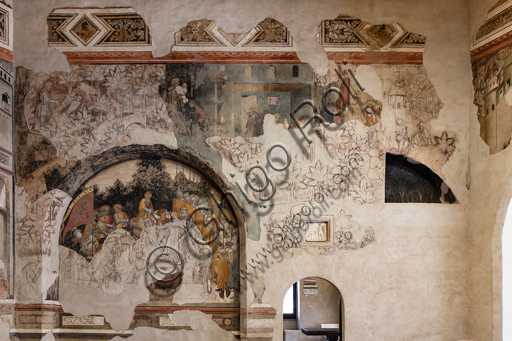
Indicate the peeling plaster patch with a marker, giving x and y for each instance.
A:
(117, 310)
(372, 83)
(203, 328)
(258, 288)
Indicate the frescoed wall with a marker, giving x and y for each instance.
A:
(120, 229)
(172, 180)
(6, 178)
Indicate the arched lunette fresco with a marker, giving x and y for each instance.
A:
(106, 212)
(204, 244)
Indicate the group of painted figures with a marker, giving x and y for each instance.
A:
(88, 239)
(177, 228)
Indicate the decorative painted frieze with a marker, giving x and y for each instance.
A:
(268, 35)
(495, 33)
(71, 29)
(351, 34)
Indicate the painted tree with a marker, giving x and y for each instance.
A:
(151, 176)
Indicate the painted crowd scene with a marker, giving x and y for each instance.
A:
(128, 210)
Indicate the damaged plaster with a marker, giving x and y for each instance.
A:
(232, 16)
(303, 23)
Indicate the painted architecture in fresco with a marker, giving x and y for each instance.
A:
(492, 82)
(491, 79)
(231, 100)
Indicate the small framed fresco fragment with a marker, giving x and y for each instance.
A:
(317, 231)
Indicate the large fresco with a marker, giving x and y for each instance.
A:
(115, 163)
(138, 217)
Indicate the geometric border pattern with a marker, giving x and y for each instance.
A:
(120, 35)
(104, 27)
(205, 34)
(495, 33)
(351, 34)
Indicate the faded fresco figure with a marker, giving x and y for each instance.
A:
(101, 225)
(44, 108)
(201, 115)
(372, 112)
(220, 109)
(173, 90)
(271, 72)
(202, 273)
(163, 217)
(181, 91)
(145, 210)
(421, 138)
(137, 257)
(109, 219)
(184, 215)
(30, 275)
(71, 104)
(402, 137)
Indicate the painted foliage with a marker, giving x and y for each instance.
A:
(137, 210)
(231, 108)
(95, 108)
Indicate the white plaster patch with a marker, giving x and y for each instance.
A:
(372, 83)
(118, 310)
(203, 328)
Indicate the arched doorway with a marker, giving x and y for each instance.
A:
(313, 310)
